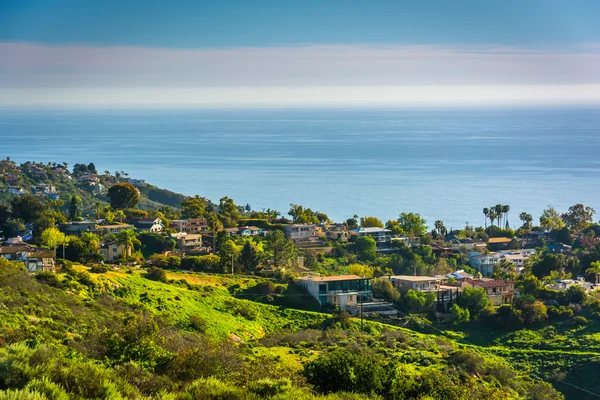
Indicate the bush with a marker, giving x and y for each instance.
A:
(49, 278)
(157, 274)
(211, 389)
(459, 315)
(99, 269)
(580, 321)
(560, 312)
(207, 263)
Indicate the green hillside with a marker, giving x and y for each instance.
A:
(118, 334)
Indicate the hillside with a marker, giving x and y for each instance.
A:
(120, 335)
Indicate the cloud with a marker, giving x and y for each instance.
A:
(34, 73)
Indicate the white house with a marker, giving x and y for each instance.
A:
(381, 235)
(154, 225)
(345, 291)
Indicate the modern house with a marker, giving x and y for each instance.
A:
(192, 225)
(300, 231)
(467, 244)
(35, 259)
(345, 291)
(77, 227)
(336, 232)
(187, 240)
(485, 263)
(154, 225)
(106, 229)
(564, 284)
(381, 235)
(112, 251)
(245, 231)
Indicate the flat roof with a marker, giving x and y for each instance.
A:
(499, 240)
(333, 278)
(412, 278)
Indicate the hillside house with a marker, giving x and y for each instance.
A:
(113, 251)
(381, 235)
(300, 231)
(106, 229)
(75, 228)
(499, 291)
(154, 225)
(192, 225)
(344, 291)
(35, 259)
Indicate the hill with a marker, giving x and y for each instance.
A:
(118, 334)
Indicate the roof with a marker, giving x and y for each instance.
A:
(499, 240)
(411, 278)
(114, 226)
(144, 220)
(333, 278)
(371, 230)
(490, 283)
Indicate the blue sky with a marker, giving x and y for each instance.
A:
(291, 52)
(276, 23)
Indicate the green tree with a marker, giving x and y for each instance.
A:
(157, 274)
(13, 228)
(279, 248)
(578, 217)
(193, 207)
(229, 214)
(486, 214)
(366, 248)
(28, 208)
(550, 219)
(459, 315)
(123, 195)
(383, 289)
(53, 238)
(75, 206)
(594, 270)
(4, 215)
(527, 219)
(248, 259)
(412, 224)
(348, 371)
(416, 301)
(474, 300)
(370, 222)
(439, 227)
(575, 294)
(128, 238)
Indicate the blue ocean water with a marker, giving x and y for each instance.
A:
(443, 164)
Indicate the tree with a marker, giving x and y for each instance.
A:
(229, 214)
(370, 222)
(128, 238)
(595, 270)
(279, 248)
(498, 212)
(301, 215)
(383, 289)
(157, 274)
(75, 206)
(92, 168)
(527, 219)
(412, 224)
(215, 226)
(53, 238)
(550, 219)
(360, 270)
(366, 248)
(4, 215)
(459, 315)
(416, 301)
(348, 371)
(123, 195)
(486, 214)
(578, 217)
(120, 215)
(27, 208)
(248, 259)
(575, 294)
(13, 228)
(193, 207)
(439, 227)
(474, 300)
(505, 210)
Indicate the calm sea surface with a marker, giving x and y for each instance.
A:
(444, 164)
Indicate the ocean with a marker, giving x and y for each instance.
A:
(442, 163)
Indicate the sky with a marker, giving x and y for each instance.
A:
(288, 53)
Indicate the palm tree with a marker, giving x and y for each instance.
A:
(128, 238)
(594, 269)
(527, 219)
(498, 209)
(486, 213)
(439, 227)
(505, 210)
(215, 225)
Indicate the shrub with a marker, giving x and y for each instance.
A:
(99, 269)
(269, 387)
(157, 274)
(48, 278)
(211, 389)
(459, 315)
(560, 312)
(580, 321)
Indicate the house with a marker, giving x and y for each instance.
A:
(337, 232)
(459, 275)
(35, 259)
(381, 235)
(15, 191)
(498, 243)
(564, 284)
(106, 229)
(559, 248)
(154, 225)
(467, 244)
(77, 227)
(112, 251)
(445, 295)
(344, 291)
(300, 231)
(499, 291)
(485, 263)
(192, 225)
(187, 240)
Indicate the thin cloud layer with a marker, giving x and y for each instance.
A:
(36, 73)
